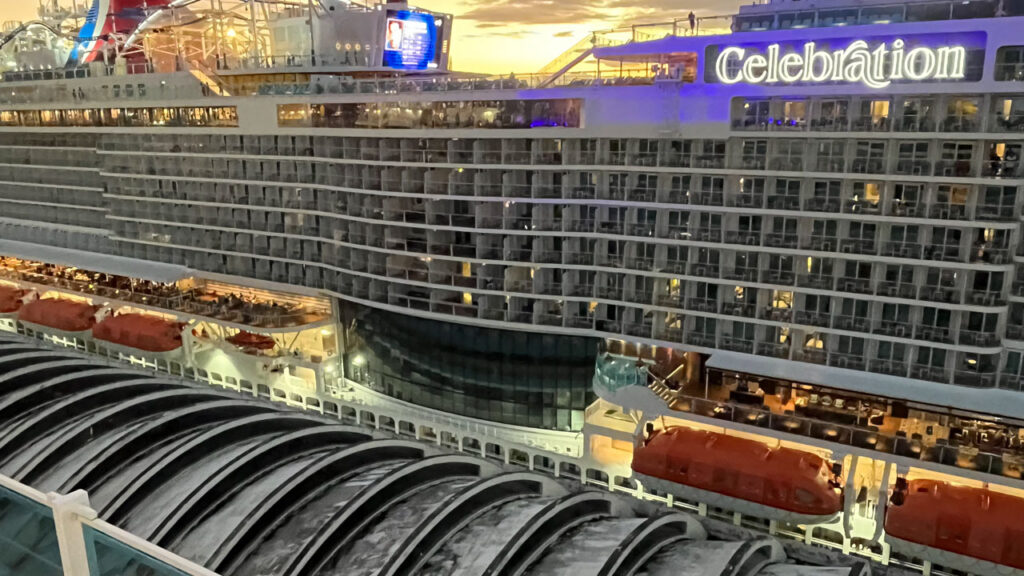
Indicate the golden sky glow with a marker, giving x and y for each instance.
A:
(502, 36)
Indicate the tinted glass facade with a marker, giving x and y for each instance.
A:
(518, 378)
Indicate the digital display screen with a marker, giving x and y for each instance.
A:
(412, 40)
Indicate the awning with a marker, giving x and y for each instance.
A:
(987, 401)
(108, 263)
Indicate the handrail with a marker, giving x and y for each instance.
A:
(840, 434)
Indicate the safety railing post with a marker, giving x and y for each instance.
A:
(68, 512)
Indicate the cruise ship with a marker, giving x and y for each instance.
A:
(771, 274)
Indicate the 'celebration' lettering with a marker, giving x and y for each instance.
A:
(876, 67)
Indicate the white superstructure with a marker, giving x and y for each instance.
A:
(825, 204)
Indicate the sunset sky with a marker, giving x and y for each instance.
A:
(519, 35)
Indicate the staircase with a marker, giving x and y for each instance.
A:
(207, 77)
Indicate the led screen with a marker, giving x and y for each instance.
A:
(412, 40)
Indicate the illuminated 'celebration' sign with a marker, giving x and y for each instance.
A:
(876, 66)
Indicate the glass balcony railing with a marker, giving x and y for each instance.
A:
(31, 520)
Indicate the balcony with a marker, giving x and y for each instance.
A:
(706, 198)
(742, 309)
(641, 230)
(848, 361)
(637, 330)
(816, 281)
(944, 294)
(702, 305)
(579, 225)
(852, 323)
(946, 253)
(548, 288)
(746, 237)
(978, 339)
(896, 290)
(776, 202)
(704, 270)
(549, 319)
(955, 169)
(821, 205)
(669, 334)
(578, 258)
(912, 167)
(908, 250)
(830, 165)
(547, 256)
(940, 334)
(990, 255)
(609, 292)
(579, 322)
(583, 193)
(811, 355)
(995, 213)
(948, 212)
(779, 277)
(890, 367)
(743, 274)
(986, 298)
(894, 328)
(787, 164)
(580, 290)
(810, 318)
(867, 166)
(781, 240)
(710, 161)
(1015, 332)
(778, 314)
(855, 285)
(820, 244)
(747, 201)
(521, 286)
(608, 260)
(861, 207)
(830, 124)
(700, 339)
(907, 209)
(639, 263)
(752, 162)
(642, 195)
(610, 227)
(670, 301)
(773, 350)
(858, 246)
(738, 344)
(708, 235)
(974, 379)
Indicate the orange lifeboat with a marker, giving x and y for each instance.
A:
(10, 299)
(968, 524)
(140, 331)
(739, 474)
(250, 341)
(59, 314)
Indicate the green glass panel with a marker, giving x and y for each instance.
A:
(111, 557)
(28, 538)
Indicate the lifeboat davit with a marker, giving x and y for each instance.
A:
(68, 316)
(10, 299)
(970, 529)
(739, 474)
(141, 332)
(248, 340)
